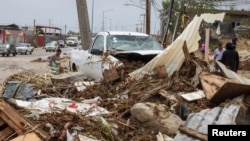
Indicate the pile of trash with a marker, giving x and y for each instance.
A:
(146, 109)
(160, 100)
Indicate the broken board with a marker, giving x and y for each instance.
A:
(16, 123)
(111, 74)
(217, 89)
(27, 137)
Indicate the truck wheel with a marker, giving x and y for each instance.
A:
(25, 53)
(3, 54)
(14, 54)
(74, 69)
(30, 52)
(8, 54)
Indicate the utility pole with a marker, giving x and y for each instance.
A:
(92, 18)
(169, 17)
(65, 29)
(148, 13)
(83, 19)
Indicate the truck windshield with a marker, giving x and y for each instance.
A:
(132, 43)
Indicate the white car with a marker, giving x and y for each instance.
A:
(108, 47)
(24, 48)
(51, 47)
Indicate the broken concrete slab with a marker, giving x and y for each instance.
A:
(216, 116)
(156, 117)
(217, 88)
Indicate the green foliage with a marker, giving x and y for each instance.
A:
(72, 33)
(180, 6)
(232, 7)
(105, 129)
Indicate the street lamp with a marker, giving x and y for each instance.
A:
(103, 17)
(128, 4)
(148, 10)
(110, 22)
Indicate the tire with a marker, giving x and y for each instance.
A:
(46, 50)
(30, 52)
(3, 54)
(74, 69)
(14, 54)
(8, 54)
(25, 53)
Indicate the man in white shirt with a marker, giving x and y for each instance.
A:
(218, 54)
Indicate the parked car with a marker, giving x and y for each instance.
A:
(7, 49)
(71, 42)
(24, 48)
(114, 45)
(61, 43)
(51, 47)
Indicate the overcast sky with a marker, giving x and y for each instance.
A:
(63, 12)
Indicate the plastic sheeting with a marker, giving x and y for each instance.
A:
(50, 105)
(173, 57)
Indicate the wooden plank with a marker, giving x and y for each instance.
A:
(1, 122)
(18, 122)
(193, 133)
(27, 137)
(161, 71)
(212, 83)
(186, 53)
(12, 123)
(229, 91)
(6, 132)
(207, 44)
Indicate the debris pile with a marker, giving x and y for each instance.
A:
(157, 106)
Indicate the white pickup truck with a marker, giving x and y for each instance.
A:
(24, 48)
(108, 47)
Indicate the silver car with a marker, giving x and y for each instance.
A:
(51, 47)
(7, 49)
(24, 48)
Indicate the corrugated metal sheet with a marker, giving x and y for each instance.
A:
(216, 116)
(232, 75)
(173, 57)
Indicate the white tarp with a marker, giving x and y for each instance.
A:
(173, 57)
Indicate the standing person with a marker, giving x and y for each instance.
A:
(55, 57)
(230, 58)
(234, 41)
(218, 54)
(202, 48)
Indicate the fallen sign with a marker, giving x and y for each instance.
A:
(217, 89)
